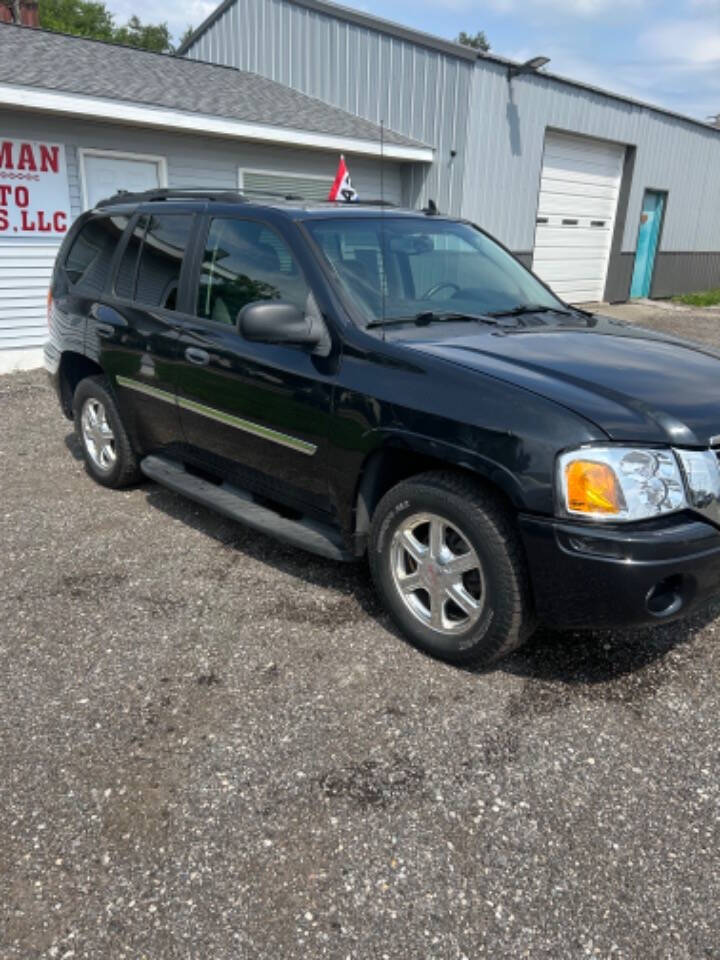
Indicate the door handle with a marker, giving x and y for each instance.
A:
(197, 356)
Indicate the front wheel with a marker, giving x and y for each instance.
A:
(447, 561)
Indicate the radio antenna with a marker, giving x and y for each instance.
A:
(383, 278)
(382, 162)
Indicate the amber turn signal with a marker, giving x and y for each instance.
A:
(593, 488)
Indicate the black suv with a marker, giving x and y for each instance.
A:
(361, 380)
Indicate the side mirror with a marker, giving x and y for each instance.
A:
(276, 321)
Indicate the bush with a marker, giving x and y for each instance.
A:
(706, 298)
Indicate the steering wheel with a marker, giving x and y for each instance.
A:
(437, 287)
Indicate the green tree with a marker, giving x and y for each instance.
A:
(147, 36)
(82, 18)
(91, 18)
(477, 41)
(189, 31)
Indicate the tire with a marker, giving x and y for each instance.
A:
(109, 457)
(458, 587)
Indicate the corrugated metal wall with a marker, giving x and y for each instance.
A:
(416, 91)
(26, 265)
(430, 95)
(503, 170)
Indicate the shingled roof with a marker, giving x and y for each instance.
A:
(56, 62)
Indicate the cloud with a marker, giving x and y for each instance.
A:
(694, 41)
(178, 14)
(678, 81)
(572, 8)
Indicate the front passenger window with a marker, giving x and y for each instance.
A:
(245, 261)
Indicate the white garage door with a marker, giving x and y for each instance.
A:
(576, 214)
(104, 174)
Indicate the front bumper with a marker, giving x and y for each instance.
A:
(589, 576)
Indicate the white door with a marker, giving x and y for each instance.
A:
(104, 175)
(576, 214)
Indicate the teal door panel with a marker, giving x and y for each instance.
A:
(647, 242)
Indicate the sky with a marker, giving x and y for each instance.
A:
(665, 52)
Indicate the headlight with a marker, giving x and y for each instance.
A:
(702, 476)
(619, 483)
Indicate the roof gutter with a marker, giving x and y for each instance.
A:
(136, 114)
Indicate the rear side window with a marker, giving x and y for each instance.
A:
(161, 257)
(127, 271)
(245, 261)
(90, 257)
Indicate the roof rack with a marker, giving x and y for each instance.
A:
(362, 202)
(172, 193)
(222, 194)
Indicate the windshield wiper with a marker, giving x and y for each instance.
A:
(428, 317)
(529, 308)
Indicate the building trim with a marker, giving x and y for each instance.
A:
(658, 245)
(525, 257)
(676, 272)
(615, 276)
(118, 155)
(125, 112)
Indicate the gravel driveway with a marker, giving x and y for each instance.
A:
(216, 748)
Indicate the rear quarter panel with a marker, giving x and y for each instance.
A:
(67, 322)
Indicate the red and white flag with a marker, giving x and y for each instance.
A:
(342, 188)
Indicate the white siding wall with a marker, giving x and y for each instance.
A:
(25, 269)
(26, 266)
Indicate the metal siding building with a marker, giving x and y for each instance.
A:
(490, 132)
(379, 76)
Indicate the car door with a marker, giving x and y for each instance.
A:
(135, 330)
(255, 410)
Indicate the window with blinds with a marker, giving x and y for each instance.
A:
(309, 188)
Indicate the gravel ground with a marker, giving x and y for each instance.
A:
(215, 747)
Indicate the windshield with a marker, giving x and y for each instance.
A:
(394, 267)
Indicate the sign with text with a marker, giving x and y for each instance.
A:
(34, 193)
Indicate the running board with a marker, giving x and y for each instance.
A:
(238, 504)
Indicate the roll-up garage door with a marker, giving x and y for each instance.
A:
(576, 214)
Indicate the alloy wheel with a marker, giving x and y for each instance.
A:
(437, 573)
(97, 435)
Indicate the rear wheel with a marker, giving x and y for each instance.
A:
(446, 559)
(109, 457)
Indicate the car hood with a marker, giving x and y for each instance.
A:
(634, 384)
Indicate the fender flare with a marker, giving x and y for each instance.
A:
(383, 442)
